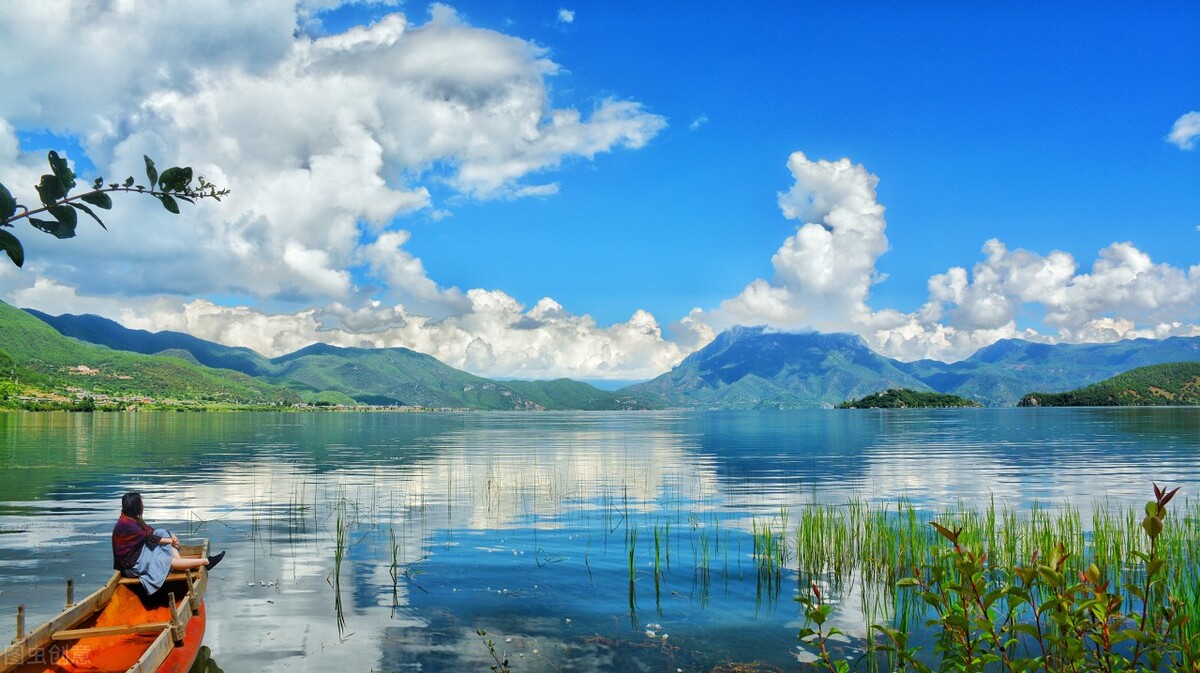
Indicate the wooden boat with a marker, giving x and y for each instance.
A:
(119, 628)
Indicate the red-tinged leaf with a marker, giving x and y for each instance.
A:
(1167, 498)
(950, 535)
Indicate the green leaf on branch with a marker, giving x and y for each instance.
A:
(175, 179)
(54, 228)
(62, 171)
(10, 245)
(65, 215)
(98, 199)
(8, 205)
(169, 203)
(151, 171)
(80, 206)
(128, 182)
(50, 189)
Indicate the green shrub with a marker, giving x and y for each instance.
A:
(1039, 616)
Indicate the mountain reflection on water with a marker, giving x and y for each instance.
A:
(522, 524)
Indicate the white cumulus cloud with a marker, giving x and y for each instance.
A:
(1185, 130)
(566, 15)
(496, 336)
(824, 273)
(325, 142)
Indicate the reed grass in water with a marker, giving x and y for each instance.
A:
(1017, 591)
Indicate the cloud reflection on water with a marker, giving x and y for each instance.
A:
(517, 522)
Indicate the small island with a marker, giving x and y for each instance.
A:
(1171, 384)
(904, 398)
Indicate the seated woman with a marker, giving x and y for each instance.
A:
(148, 553)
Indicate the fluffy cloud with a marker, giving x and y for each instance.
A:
(566, 15)
(824, 273)
(317, 138)
(492, 335)
(496, 337)
(1183, 134)
(325, 141)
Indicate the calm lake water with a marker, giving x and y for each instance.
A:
(525, 524)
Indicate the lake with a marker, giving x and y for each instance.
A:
(597, 541)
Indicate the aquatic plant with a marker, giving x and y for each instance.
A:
(1039, 615)
(339, 553)
(501, 665)
(816, 613)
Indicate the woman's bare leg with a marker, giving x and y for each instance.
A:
(180, 563)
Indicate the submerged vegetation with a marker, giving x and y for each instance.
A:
(966, 588)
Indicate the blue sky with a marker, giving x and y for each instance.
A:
(1043, 128)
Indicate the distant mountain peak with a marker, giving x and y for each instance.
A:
(757, 367)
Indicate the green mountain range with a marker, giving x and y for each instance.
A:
(743, 368)
(37, 355)
(327, 374)
(1000, 374)
(96, 330)
(399, 376)
(755, 368)
(1171, 384)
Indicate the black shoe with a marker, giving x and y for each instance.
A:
(214, 560)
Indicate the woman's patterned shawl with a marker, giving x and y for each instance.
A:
(128, 538)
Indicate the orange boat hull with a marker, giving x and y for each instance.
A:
(117, 654)
(120, 629)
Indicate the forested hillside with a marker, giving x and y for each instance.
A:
(37, 360)
(903, 398)
(1175, 383)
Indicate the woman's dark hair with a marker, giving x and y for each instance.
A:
(131, 504)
